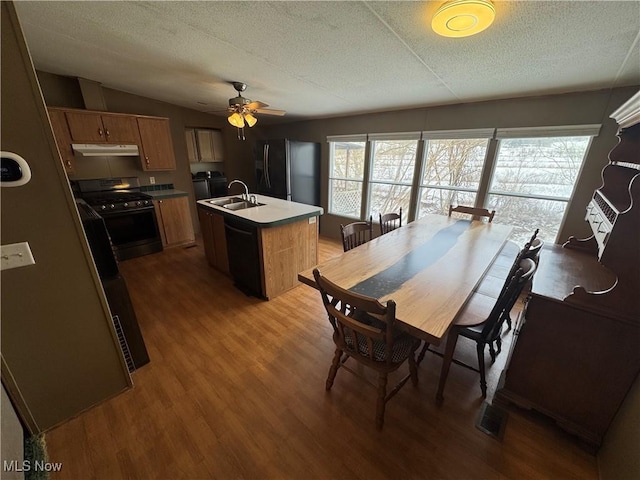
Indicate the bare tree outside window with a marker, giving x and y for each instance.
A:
(392, 170)
(533, 181)
(451, 175)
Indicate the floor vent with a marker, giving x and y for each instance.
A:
(123, 344)
(492, 420)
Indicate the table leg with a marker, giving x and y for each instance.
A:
(452, 339)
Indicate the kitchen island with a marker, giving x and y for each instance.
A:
(261, 244)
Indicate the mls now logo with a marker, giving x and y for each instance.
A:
(28, 466)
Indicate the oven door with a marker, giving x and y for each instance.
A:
(133, 232)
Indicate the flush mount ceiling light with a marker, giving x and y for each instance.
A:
(462, 18)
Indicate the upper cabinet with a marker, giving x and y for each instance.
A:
(151, 134)
(156, 144)
(204, 145)
(91, 127)
(63, 139)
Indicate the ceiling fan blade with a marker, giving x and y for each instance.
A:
(256, 105)
(270, 111)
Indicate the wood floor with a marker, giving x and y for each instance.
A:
(235, 390)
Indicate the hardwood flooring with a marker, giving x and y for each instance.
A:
(235, 390)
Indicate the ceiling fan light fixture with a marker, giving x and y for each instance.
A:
(463, 18)
(236, 120)
(250, 119)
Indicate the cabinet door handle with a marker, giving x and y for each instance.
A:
(100, 132)
(107, 133)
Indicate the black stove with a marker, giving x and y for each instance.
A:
(128, 213)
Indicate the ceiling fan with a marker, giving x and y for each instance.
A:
(241, 110)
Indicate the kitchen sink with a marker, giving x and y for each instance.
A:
(241, 205)
(225, 201)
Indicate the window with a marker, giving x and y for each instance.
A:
(392, 167)
(346, 177)
(451, 173)
(527, 176)
(533, 181)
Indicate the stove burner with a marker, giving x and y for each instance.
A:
(114, 194)
(118, 200)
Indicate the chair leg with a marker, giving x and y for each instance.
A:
(424, 349)
(483, 380)
(492, 352)
(508, 319)
(335, 364)
(452, 339)
(413, 370)
(382, 394)
(499, 344)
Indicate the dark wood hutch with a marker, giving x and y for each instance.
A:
(576, 350)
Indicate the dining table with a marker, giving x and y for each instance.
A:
(430, 267)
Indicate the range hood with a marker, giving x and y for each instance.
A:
(104, 150)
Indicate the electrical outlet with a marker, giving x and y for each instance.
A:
(15, 255)
(152, 180)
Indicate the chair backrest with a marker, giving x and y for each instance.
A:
(390, 221)
(356, 233)
(525, 252)
(477, 213)
(535, 246)
(507, 298)
(362, 326)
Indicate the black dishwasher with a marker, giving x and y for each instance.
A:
(244, 256)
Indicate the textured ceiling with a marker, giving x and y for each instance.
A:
(318, 59)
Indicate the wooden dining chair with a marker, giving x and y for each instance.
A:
(478, 213)
(531, 250)
(469, 324)
(390, 221)
(356, 233)
(364, 329)
(486, 332)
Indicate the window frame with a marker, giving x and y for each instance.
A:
(344, 139)
(405, 136)
(494, 137)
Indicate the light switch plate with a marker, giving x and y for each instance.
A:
(16, 255)
(312, 219)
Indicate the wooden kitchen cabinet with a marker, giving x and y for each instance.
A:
(210, 145)
(63, 139)
(174, 221)
(151, 134)
(192, 145)
(214, 239)
(92, 127)
(204, 145)
(156, 145)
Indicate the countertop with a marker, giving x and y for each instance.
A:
(170, 193)
(274, 212)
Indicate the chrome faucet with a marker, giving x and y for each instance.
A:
(245, 195)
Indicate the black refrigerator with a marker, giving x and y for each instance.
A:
(289, 170)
